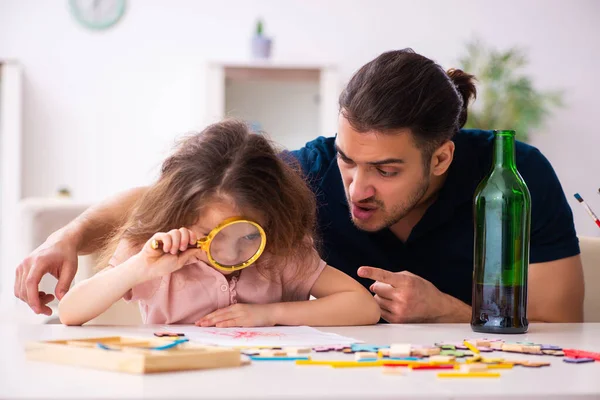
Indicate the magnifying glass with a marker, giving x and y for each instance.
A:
(234, 244)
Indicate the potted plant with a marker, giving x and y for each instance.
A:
(261, 45)
(506, 97)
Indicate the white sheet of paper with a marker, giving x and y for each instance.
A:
(303, 336)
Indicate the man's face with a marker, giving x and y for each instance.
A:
(383, 174)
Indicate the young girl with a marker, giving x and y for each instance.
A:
(224, 172)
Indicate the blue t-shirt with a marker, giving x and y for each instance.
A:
(440, 247)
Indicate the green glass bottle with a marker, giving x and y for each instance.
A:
(502, 216)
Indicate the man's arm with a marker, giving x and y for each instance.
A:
(555, 294)
(91, 228)
(556, 291)
(58, 254)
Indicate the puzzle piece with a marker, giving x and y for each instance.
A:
(581, 354)
(512, 348)
(432, 367)
(271, 353)
(519, 362)
(365, 347)
(492, 360)
(454, 353)
(557, 353)
(471, 347)
(496, 345)
(531, 349)
(280, 358)
(361, 355)
(400, 350)
(550, 347)
(168, 334)
(533, 364)
(425, 351)
(297, 350)
(577, 360)
(457, 346)
(474, 367)
(500, 366)
(441, 359)
(485, 349)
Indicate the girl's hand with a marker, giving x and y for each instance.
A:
(242, 315)
(173, 255)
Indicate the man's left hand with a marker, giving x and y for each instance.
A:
(407, 298)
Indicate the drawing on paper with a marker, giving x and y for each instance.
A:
(246, 334)
(264, 336)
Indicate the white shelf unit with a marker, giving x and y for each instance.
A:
(292, 103)
(11, 121)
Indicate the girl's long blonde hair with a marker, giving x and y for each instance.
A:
(225, 160)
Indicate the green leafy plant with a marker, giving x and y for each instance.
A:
(506, 97)
(259, 28)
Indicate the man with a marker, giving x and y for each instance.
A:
(394, 191)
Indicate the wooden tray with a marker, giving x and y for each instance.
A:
(130, 354)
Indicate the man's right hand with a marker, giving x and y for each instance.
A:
(56, 256)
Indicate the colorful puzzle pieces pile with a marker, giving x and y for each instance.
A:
(457, 360)
(445, 356)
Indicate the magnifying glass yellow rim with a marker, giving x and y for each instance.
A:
(204, 244)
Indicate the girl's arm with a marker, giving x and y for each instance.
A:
(340, 300)
(95, 295)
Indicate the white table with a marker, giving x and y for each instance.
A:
(20, 378)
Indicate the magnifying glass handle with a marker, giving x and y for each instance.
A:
(158, 244)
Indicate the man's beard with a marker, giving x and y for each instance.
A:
(398, 212)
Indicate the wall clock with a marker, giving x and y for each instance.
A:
(97, 14)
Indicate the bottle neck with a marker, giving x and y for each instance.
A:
(504, 149)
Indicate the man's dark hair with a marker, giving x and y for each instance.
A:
(402, 89)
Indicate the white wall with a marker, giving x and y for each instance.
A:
(10, 162)
(100, 108)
